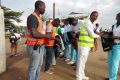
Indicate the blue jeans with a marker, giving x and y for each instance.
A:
(67, 50)
(113, 62)
(35, 63)
(74, 54)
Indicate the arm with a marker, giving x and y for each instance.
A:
(89, 28)
(35, 34)
(115, 37)
(32, 26)
(96, 44)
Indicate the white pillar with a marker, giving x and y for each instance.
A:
(2, 43)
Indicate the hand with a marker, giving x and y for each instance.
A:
(115, 37)
(100, 33)
(48, 36)
(93, 49)
(57, 39)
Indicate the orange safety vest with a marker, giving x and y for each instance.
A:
(32, 41)
(49, 42)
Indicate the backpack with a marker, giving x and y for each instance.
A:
(13, 38)
(107, 42)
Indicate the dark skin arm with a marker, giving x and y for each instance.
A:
(100, 33)
(36, 34)
(115, 37)
(95, 48)
(49, 34)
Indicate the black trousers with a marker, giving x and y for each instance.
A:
(48, 60)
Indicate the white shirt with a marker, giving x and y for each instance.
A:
(89, 28)
(49, 29)
(96, 29)
(67, 28)
(116, 32)
(17, 35)
(77, 27)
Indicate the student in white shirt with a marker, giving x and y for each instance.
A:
(114, 53)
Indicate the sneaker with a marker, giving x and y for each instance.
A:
(67, 59)
(74, 64)
(70, 62)
(85, 78)
(11, 55)
(52, 68)
(16, 55)
(61, 56)
(49, 72)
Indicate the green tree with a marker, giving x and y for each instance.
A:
(11, 17)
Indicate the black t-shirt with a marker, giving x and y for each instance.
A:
(32, 22)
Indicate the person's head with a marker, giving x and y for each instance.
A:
(93, 16)
(66, 21)
(14, 31)
(73, 21)
(118, 18)
(40, 6)
(56, 22)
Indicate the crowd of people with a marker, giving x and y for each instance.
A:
(72, 40)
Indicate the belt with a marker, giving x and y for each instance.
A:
(116, 43)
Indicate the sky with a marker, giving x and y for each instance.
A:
(107, 8)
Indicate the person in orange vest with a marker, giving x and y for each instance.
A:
(35, 40)
(50, 30)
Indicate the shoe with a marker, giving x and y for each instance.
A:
(52, 68)
(85, 78)
(67, 59)
(70, 62)
(106, 78)
(61, 56)
(11, 55)
(73, 64)
(16, 55)
(49, 72)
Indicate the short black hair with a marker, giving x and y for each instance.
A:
(14, 31)
(57, 20)
(118, 14)
(71, 20)
(38, 3)
(93, 12)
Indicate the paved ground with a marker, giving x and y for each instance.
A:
(96, 67)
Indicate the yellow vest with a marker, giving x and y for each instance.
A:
(85, 39)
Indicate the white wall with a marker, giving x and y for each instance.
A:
(2, 43)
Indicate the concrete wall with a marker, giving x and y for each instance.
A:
(2, 43)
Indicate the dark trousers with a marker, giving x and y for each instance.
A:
(48, 60)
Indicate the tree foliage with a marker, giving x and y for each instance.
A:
(11, 16)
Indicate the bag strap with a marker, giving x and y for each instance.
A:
(112, 27)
